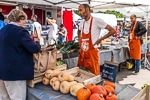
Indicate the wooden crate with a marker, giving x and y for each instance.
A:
(59, 55)
(143, 94)
(60, 67)
(84, 76)
(38, 76)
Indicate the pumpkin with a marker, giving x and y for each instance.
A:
(111, 96)
(110, 83)
(56, 85)
(90, 86)
(74, 88)
(64, 76)
(83, 93)
(51, 73)
(109, 89)
(45, 81)
(53, 80)
(100, 90)
(65, 86)
(96, 96)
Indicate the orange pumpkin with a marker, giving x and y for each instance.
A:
(96, 96)
(83, 93)
(111, 96)
(109, 89)
(110, 83)
(90, 86)
(100, 90)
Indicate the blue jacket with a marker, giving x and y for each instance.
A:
(16, 53)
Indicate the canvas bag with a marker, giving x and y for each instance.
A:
(46, 59)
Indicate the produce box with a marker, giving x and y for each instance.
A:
(59, 55)
(38, 76)
(143, 94)
(61, 67)
(70, 55)
(84, 76)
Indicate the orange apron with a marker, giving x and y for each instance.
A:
(135, 45)
(89, 56)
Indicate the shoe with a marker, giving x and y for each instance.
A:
(135, 72)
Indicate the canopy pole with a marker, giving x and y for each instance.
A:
(146, 48)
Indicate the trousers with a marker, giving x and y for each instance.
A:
(13, 90)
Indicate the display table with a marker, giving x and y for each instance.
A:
(41, 92)
(104, 55)
(119, 54)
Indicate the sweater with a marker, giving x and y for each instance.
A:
(16, 53)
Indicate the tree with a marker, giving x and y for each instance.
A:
(118, 14)
(76, 11)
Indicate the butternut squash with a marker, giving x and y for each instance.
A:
(74, 88)
(51, 73)
(64, 76)
(65, 86)
(53, 80)
(45, 81)
(56, 85)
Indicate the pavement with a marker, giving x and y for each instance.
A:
(127, 77)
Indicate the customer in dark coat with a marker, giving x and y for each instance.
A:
(16, 57)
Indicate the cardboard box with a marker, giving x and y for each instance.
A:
(84, 76)
(143, 94)
(38, 76)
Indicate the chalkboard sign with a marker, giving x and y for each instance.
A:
(109, 71)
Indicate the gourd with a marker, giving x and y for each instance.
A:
(100, 90)
(83, 93)
(56, 85)
(64, 76)
(90, 86)
(65, 86)
(111, 96)
(96, 96)
(45, 81)
(110, 83)
(109, 89)
(51, 73)
(53, 80)
(74, 88)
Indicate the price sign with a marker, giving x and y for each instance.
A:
(109, 71)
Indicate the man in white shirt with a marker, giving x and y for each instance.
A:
(52, 33)
(88, 34)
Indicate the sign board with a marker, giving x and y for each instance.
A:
(109, 71)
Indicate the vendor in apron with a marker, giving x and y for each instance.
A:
(88, 34)
(136, 31)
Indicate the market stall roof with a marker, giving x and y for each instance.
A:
(95, 4)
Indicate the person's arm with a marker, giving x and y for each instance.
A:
(64, 34)
(79, 30)
(142, 29)
(28, 43)
(111, 32)
(79, 34)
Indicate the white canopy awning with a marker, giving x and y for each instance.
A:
(95, 4)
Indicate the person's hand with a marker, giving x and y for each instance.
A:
(60, 33)
(98, 41)
(37, 39)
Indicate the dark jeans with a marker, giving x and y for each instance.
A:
(137, 65)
